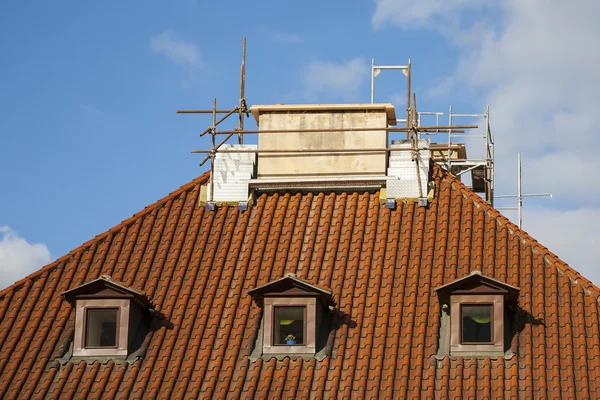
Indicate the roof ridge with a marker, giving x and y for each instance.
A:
(562, 266)
(48, 267)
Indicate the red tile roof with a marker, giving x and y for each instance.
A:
(381, 266)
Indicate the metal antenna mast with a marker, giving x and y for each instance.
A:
(519, 196)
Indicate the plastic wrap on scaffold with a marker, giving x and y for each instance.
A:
(232, 173)
(402, 177)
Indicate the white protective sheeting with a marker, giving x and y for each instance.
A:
(232, 173)
(402, 181)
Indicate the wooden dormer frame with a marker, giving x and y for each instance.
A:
(103, 293)
(285, 292)
(104, 287)
(477, 289)
(291, 286)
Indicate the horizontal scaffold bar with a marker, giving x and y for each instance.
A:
(316, 130)
(295, 151)
(204, 111)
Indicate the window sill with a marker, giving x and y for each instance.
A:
(477, 348)
(100, 353)
(320, 356)
(478, 355)
(71, 357)
(289, 349)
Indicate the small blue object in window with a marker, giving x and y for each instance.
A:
(290, 339)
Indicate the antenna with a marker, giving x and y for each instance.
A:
(519, 196)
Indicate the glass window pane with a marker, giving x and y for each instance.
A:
(289, 325)
(476, 323)
(101, 327)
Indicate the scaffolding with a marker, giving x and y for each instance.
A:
(482, 169)
(406, 71)
(450, 155)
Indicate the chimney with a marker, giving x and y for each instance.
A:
(323, 147)
(322, 151)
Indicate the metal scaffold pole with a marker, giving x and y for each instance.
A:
(242, 106)
(519, 190)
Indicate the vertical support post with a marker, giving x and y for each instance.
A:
(214, 122)
(519, 193)
(242, 108)
(490, 159)
(417, 157)
(372, 80)
(212, 154)
(414, 136)
(449, 157)
(493, 154)
(485, 139)
(415, 121)
(408, 96)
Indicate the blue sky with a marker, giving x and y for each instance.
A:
(88, 93)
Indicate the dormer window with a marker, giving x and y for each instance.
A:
(474, 315)
(290, 325)
(292, 315)
(107, 316)
(476, 323)
(101, 327)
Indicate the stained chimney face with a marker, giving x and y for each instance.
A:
(327, 128)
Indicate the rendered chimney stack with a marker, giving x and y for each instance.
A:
(300, 163)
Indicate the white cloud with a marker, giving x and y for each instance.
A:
(282, 37)
(182, 53)
(539, 74)
(343, 78)
(18, 258)
(410, 13)
(535, 63)
(576, 248)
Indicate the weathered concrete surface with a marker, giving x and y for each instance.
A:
(304, 165)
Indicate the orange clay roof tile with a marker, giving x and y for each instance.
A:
(381, 265)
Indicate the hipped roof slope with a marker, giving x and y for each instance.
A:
(381, 266)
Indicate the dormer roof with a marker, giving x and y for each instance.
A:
(477, 283)
(290, 285)
(104, 287)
